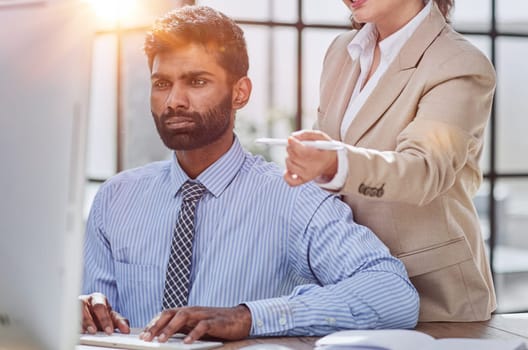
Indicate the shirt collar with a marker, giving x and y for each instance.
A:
(217, 176)
(391, 45)
(365, 38)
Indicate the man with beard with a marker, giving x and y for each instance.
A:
(267, 259)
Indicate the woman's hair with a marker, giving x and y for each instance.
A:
(444, 6)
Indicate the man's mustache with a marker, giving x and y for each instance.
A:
(170, 113)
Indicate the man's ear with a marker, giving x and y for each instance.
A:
(241, 92)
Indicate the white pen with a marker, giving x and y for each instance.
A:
(319, 144)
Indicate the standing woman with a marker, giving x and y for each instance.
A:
(409, 98)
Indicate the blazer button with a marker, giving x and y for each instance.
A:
(371, 191)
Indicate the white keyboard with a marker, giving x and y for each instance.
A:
(132, 342)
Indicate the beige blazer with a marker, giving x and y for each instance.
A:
(413, 160)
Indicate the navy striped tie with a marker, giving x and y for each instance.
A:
(179, 267)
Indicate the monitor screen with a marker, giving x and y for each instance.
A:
(45, 57)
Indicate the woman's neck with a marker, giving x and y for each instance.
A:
(392, 24)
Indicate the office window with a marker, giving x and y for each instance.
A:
(269, 10)
(325, 12)
(102, 150)
(287, 40)
(121, 134)
(272, 70)
(512, 104)
(511, 244)
(512, 16)
(315, 42)
(472, 15)
(140, 143)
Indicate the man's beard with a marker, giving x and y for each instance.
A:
(208, 127)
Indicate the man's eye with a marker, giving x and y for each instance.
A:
(198, 82)
(160, 84)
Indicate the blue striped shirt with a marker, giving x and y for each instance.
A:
(294, 256)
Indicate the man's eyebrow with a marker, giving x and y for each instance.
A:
(196, 73)
(159, 76)
(186, 75)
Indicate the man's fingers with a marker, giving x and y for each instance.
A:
(176, 323)
(226, 323)
(87, 324)
(101, 314)
(202, 328)
(97, 315)
(97, 298)
(120, 322)
(158, 323)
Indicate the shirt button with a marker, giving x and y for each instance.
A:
(331, 320)
(260, 324)
(282, 321)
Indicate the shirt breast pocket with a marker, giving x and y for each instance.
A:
(140, 292)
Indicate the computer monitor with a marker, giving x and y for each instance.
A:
(45, 57)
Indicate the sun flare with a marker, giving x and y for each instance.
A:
(114, 11)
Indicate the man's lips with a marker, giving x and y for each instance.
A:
(176, 123)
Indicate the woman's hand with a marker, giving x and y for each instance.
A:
(305, 163)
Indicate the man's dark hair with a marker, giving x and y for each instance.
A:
(200, 25)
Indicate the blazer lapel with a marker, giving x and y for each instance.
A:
(396, 77)
(340, 97)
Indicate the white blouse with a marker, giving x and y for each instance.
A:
(362, 47)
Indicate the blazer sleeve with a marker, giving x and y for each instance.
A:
(442, 142)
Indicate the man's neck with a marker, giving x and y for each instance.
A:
(194, 162)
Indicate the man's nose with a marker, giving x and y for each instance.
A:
(177, 99)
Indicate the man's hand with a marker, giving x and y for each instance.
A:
(97, 315)
(225, 323)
